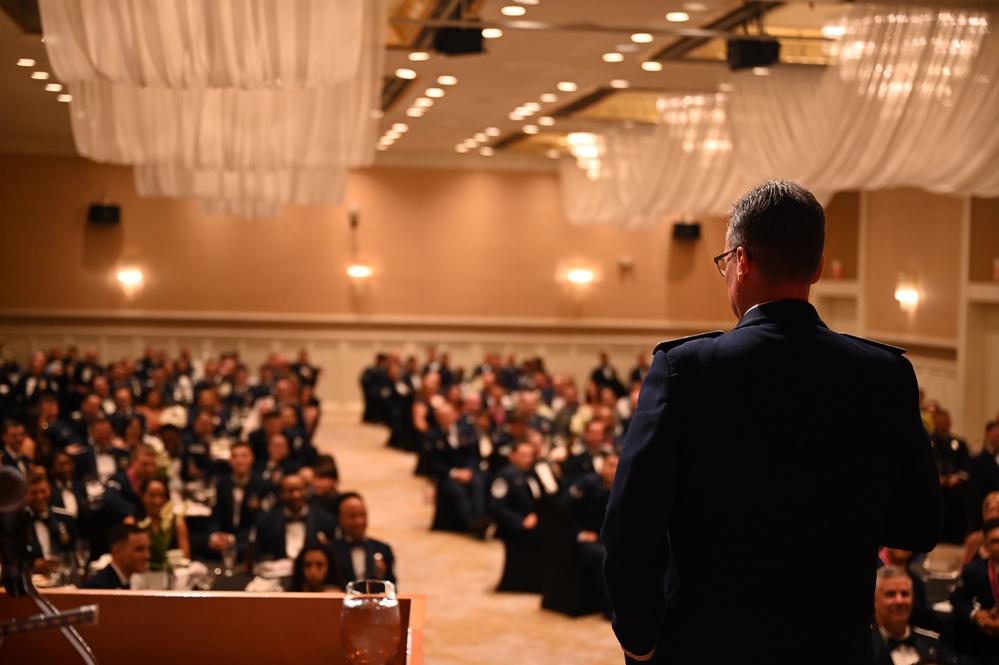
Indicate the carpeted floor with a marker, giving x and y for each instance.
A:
(467, 622)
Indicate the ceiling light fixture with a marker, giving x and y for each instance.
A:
(533, 107)
(695, 6)
(652, 66)
(492, 33)
(481, 137)
(419, 56)
(566, 86)
(64, 98)
(620, 84)
(493, 131)
(513, 10)
(434, 92)
(461, 147)
(40, 76)
(404, 73)
(642, 38)
(613, 57)
(549, 97)
(53, 87)
(359, 271)
(553, 153)
(423, 102)
(414, 112)
(400, 127)
(579, 276)
(486, 151)
(546, 121)
(513, 115)
(530, 129)
(677, 17)
(446, 80)
(25, 62)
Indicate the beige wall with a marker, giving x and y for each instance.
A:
(908, 229)
(984, 249)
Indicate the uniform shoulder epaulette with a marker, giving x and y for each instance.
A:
(897, 350)
(925, 633)
(673, 343)
(60, 511)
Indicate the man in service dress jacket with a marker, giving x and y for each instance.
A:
(779, 440)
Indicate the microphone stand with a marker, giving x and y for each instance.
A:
(17, 558)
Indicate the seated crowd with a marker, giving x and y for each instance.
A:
(138, 459)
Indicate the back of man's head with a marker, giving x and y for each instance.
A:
(120, 534)
(782, 228)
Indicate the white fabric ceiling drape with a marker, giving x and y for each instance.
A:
(216, 43)
(912, 100)
(244, 104)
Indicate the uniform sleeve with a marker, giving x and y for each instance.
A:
(639, 513)
(915, 510)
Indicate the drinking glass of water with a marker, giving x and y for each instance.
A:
(370, 623)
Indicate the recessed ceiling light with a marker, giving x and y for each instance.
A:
(400, 127)
(419, 56)
(53, 87)
(546, 121)
(620, 84)
(493, 131)
(642, 38)
(386, 140)
(553, 153)
(392, 134)
(481, 137)
(404, 73)
(513, 115)
(414, 112)
(520, 110)
(527, 2)
(513, 10)
(434, 92)
(566, 86)
(530, 129)
(492, 33)
(533, 107)
(470, 143)
(381, 147)
(695, 6)
(40, 76)
(461, 147)
(678, 17)
(613, 57)
(423, 102)
(25, 62)
(726, 87)
(486, 151)
(652, 66)
(626, 48)
(446, 80)
(761, 71)
(64, 98)
(549, 97)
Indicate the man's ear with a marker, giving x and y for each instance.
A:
(818, 272)
(742, 265)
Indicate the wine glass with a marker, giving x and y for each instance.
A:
(206, 580)
(229, 560)
(370, 623)
(82, 554)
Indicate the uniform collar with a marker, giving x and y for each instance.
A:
(780, 311)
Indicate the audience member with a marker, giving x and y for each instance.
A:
(974, 599)
(123, 493)
(129, 555)
(984, 468)
(12, 434)
(953, 463)
(454, 462)
(325, 478)
(283, 531)
(316, 570)
(239, 497)
(895, 641)
(53, 532)
(358, 556)
(167, 529)
(513, 498)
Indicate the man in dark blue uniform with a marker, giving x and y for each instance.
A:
(781, 436)
(975, 598)
(894, 639)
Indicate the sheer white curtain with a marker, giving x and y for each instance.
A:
(244, 104)
(217, 43)
(683, 164)
(911, 101)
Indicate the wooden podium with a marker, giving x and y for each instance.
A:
(212, 627)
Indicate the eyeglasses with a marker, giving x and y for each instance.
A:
(721, 261)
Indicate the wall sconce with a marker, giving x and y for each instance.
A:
(579, 276)
(907, 290)
(359, 271)
(129, 276)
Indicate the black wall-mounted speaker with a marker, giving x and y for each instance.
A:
(458, 41)
(746, 53)
(686, 231)
(104, 213)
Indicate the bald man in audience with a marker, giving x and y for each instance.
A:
(283, 530)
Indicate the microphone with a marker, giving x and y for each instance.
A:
(15, 520)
